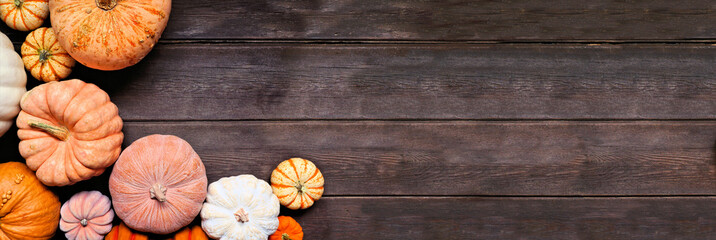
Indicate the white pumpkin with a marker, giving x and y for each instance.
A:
(12, 83)
(240, 208)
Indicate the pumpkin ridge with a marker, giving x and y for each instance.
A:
(315, 173)
(33, 13)
(295, 170)
(284, 174)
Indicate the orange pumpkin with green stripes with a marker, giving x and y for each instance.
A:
(297, 183)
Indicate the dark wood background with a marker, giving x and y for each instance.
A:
(434, 119)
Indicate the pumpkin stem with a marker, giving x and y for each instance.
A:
(59, 132)
(18, 3)
(301, 188)
(105, 4)
(158, 191)
(83, 222)
(241, 215)
(285, 236)
(44, 55)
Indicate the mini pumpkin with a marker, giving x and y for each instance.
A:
(288, 229)
(44, 57)
(122, 232)
(109, 34)
(240, 208)
(190, 233)
(297, 182)
(87, 216)
(12, 83)
(69, 131)
(28, 209)
(158, 184)
(24, 15)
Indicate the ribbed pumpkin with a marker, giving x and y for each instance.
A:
(109, 34)
(69, 131)
(87, 216)
(28, 209)
(190, 233)
(297, 183)
(122, 232)
(288, 229)
(12, 83)
(24, 15)
(158, 184)
(45, 59)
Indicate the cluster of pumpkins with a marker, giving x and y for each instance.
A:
(70, 131)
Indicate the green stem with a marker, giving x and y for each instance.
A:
(58, 132)
(285, 237)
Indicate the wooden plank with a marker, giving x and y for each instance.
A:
(453, 81)
(464, 158)
(508, 218)
(519, 20)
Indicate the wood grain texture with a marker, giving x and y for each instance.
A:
(509, 218)
(454, 81)
(463, 158)
(516, 20)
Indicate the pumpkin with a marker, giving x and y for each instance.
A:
(44, 58)
(12, 83)
(297, 183)
(69, 131)
(240, 207)
(109, 34)
(158, 184)
(288, 229)
(190, 233)
(122, 232)
(87, 216)
(24, 15)
(28, 209)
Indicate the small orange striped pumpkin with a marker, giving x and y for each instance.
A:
(122, 232)
(24, 15)
(288, 229)
(297, 183)
(190, 233)
(46, 60)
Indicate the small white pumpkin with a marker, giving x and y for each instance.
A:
(240, 208)
(12, 83)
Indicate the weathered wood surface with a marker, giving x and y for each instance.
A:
(453, 81)
(520, 20)
(464, 158)
(510, 218)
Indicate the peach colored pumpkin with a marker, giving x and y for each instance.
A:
(122, 232)
(158, 184)
(69, 131)
(87, 216)
(24, 15)
(109, 34)
(297, 183)
(28, 209)
(45, 59)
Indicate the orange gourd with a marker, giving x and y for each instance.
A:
(190, 233)
(109, 34)
(28, 209)
(24, 15)
(45, 59)
(122, 232)
(158, 184)
(288, 229)
(69, 131)
(297, 183)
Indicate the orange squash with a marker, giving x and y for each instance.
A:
(122, 232)
(45, 59)
(24, 15)
(109, 34)
(297, 183)
(69, 131)
(190, 233)
(28, 209)
(288, 229)
(158, 184)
